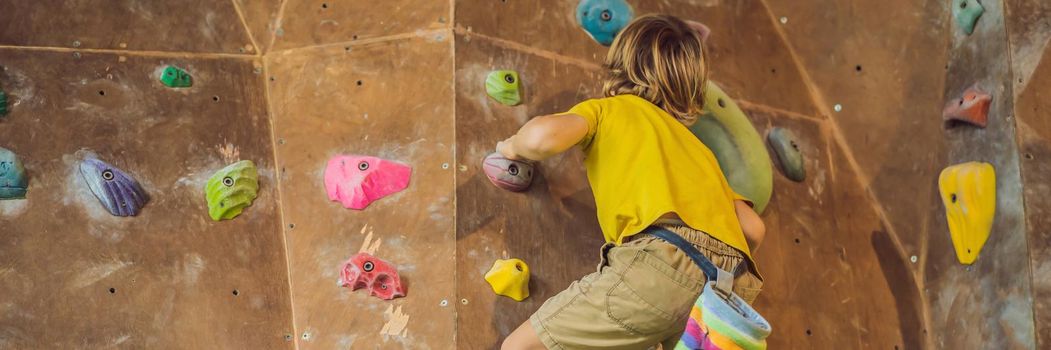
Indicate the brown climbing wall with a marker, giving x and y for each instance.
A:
(200, 26)
(886, 71)
(76, 277)
(260, 17)
(1029, 26)
(890, 120)
(306, 23)
(391, 99)
(826, 287)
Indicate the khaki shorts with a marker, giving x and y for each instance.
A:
(640, 296)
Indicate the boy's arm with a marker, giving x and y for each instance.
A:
(751, 224)
(543, 137)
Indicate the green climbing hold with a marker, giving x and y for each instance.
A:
(742, 156)
(967, 13)
(788, 155)
(3, 104)
(174, 77)
(232, 189)
(502, 86)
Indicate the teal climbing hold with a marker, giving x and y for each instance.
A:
(13, 182)
(785, 147)
(174, 77)
(3, 104)
(603, 19)
(737, 146)
(503, 86)
(967, 13)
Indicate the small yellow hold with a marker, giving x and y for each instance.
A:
(510, 278)
(969, 193)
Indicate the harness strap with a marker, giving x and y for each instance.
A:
(723, 279)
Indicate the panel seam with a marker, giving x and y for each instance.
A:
(178, 54)
(1020, 146)
(244, 23)
(455, 178)
(280, 201)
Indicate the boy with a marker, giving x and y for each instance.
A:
(646, 169)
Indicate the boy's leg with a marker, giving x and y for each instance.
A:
(523, 338)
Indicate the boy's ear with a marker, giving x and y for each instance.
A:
(700, 28)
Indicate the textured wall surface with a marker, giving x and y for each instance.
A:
(857, 256)
(73, 276)
(1029, 26)
(402, 110)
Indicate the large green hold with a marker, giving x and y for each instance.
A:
(967, 13)
(232, 189)
(503, 86)
(726, 130)
(174, 77)
(3, 104)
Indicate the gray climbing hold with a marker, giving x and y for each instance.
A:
(783, 141)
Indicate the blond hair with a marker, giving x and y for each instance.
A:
(660, 58)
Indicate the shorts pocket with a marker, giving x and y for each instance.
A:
(747, 286)
(651, 297)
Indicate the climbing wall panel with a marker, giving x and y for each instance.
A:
(1028, 28)
(989, 301)
(260, 17)
(393, 100)
(825, 287)
(179, 26)
(552, 227)
(749, 58)
(855, 53)
(75, 276)
(312, 22)
(1033, 118)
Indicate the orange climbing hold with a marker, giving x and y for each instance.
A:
(972, 108)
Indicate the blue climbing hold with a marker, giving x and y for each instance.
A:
(13, 181)
(603, 19)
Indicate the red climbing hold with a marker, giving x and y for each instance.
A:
(972, 108)
(366, 271)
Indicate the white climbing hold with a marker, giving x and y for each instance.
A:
(784, 19)
(838, 107)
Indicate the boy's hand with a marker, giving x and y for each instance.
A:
(506, 148)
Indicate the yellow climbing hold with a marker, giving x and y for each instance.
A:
(510, 278)
(969, 193)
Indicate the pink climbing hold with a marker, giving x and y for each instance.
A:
(375, 274)
(700, 28)
(355, 181)
(972, 108)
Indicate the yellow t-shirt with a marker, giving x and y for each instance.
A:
(642, 164)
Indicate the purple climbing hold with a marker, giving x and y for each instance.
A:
(115, 189)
